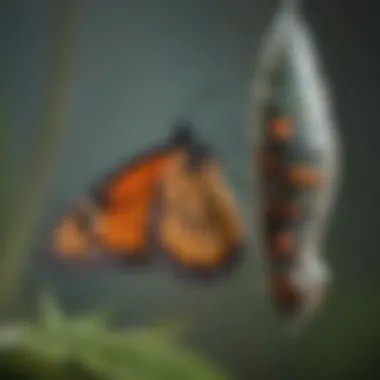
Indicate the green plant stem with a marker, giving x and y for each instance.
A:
(5, 177)
(27, 206)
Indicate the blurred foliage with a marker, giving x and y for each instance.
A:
(349, 342)
(343, 343)
(57, 347)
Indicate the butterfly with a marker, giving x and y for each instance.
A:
(173, 199)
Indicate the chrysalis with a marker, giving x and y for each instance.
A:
(296, 155)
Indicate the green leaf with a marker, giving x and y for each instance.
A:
(159, 331)
(92, 321)
(151, 353)
(49, 312)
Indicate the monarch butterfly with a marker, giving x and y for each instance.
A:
(172, 199)
(297, 163)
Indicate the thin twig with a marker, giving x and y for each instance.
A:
(28, 205)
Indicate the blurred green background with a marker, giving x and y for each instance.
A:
(134, 68)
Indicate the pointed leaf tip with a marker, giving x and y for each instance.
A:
(49, 310)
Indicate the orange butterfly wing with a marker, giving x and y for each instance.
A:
(200, 224)
(122, 225)
(115, 217)
(69, 240)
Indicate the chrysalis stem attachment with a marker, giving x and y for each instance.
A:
(291, 6)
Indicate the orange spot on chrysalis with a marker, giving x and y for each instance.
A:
(281, 129)
(284, 210)
(267, 160)
(284, 292)
(305, 176)
(283, 242)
